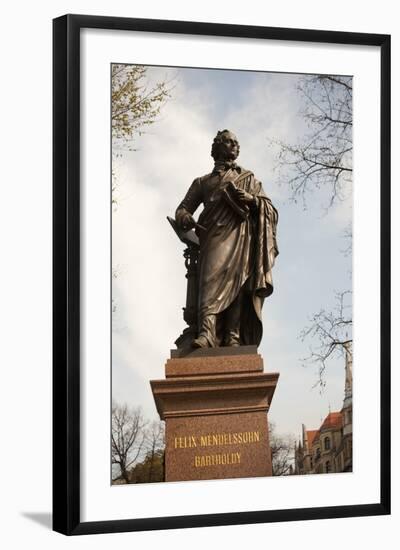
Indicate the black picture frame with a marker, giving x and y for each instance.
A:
(66, 272)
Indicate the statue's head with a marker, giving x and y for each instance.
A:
(225, 146)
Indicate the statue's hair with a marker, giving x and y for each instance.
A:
(216, 143)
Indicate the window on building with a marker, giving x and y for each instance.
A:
(327, 443)
(327, 467)
(317, 454)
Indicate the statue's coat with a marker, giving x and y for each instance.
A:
(236, 254)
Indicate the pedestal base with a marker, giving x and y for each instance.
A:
(215, 410)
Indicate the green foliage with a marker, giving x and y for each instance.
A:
(133, 105)
(151, 470)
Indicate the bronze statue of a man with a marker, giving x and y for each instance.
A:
(237, 236)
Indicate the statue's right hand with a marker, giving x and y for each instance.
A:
(187, 222)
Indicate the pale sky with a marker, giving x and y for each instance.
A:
(149, 291)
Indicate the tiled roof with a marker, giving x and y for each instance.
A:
(316, 436)
(332, 421)
(310, 437)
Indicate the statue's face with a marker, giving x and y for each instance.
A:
(229, 147)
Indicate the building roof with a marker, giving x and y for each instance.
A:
(333, 421)
(311, 434)
(316, 437)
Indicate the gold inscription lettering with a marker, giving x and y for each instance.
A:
(223, 459)
(216, 439)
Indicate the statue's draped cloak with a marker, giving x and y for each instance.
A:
(236, 254)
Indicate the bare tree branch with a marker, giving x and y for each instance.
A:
(127, 438)
(332, 331)
(155, 442)
(282, 452)
(323, 159)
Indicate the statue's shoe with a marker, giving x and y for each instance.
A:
(232, 344)
(200, 342)
(232, 339)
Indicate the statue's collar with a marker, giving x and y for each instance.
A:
(224, 166)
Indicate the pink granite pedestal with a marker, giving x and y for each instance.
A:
(215, 404)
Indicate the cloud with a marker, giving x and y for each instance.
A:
(150, 291)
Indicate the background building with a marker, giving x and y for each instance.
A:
(329, 449)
